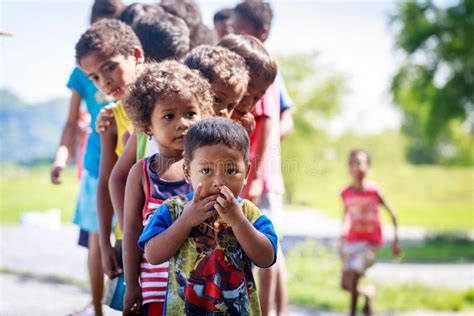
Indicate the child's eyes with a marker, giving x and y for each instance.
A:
(217, 100)
(168, 116)
(231, 171)
(111, 67)
(230, 107)
(191, 114)
(205, 171)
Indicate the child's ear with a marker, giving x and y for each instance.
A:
(187, 173)
(139, 55)
(247, 173)
(263, 33)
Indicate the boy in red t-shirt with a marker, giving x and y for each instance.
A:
(362, 231)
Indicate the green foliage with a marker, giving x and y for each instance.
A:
(434, 86)
(25, 189)
(314, 278)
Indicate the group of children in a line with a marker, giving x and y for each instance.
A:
(181, 127)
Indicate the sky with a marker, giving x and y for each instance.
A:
(352, 38)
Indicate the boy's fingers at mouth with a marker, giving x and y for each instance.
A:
(197, 194)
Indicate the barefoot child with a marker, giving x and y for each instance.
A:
(212, 236)
(164, 101)
(362, 230)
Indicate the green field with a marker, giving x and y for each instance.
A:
(436, 197)
(29, 188)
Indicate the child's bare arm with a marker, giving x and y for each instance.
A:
(396, 244)
(163, 246)
(262, 141)
(255, 244)
(104, 118)
(67, 137)
(132, 254)
(118, 178)
(105, 210)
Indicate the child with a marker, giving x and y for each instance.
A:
(86, 210)
(262, 71)
(108, 53)
(362, 230)
(222, 22)
(164, 101)
(265, 182)
(255, 18)
(212, 236)
(226, 72)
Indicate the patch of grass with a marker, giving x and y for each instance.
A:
(435, 197)
(314, 278)
(29, 188)
(438, 248)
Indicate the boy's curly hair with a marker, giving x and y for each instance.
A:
(256, 57)
(162, 36)
(159, 81)
(258, 12)
(109, 37)
(218, 63)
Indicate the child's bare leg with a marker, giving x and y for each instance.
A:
(267, 285)
(368, 291)
(281, 296)
(96, 275)
(349, 283)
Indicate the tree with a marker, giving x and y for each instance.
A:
(435, 85)
(316, 93)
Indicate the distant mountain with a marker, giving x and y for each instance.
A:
(30, 132)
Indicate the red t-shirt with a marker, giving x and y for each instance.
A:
(362, 215)
(267, 108)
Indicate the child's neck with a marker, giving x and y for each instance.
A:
(358, 184)
(168, 167)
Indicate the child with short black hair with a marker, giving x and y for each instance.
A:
(162, 102)
(362, 229)
(109, 53)
(222, 22)
(83, 89)
(262, 71)
(265, 185)
(211, 236)
(227, 73)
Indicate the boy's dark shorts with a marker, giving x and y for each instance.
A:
(83, 238)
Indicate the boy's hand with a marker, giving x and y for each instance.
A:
(56, 174)
(197, 211)
(396, 248)
(248, 122)
(255, 191)
(110, 261)
(104, 119)
(228, 208)
(132, 300)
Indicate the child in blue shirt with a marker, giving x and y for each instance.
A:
(211, 237)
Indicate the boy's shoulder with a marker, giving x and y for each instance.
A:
(250, 210)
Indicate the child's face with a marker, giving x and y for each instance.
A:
(243, 26)
(171, 119)
(226, 97)
(223, 27)
(215, 166)
(359, 166)
(257, 87)
(111, 74)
